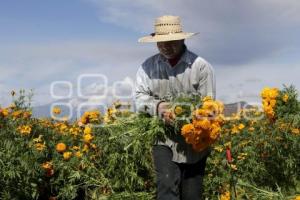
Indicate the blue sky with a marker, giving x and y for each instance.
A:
(251, 44)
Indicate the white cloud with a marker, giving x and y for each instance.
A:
(246, 82)
(231, 32)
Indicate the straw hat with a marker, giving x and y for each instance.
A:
(167, 28)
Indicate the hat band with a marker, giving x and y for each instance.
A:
(168, 33)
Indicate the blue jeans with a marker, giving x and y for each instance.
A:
(177, 181)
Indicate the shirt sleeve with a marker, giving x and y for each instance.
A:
(144, 101)
(207, 82)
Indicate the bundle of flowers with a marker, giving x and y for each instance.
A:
(205, 125)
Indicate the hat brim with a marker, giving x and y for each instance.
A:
(167, 37)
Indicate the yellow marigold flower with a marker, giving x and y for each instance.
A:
(93, 146)
(38, 139)
(207, 98)
(56, 110)
(228, 144)
(273, 93)
(87, 138)
(90, 116)
(234, 167)
(67, 155)
(63, 128)
(4, 112)
(94, 115)
(47, 165)
(75, 148)
(297, 197)
(87, 130)
(242, 156)
(85, 148)
(235, 130)
(219, 148)
(16, 114)
(272, 103)
(78, 154)
(111, 111)
(107, 119)
(40, 146)
(269, 93)
(61, 147)
(225, 196)
(241, 126)
(264, 92)
(178, 110)
(74, 131)
(24, 129)
(285, 98)
(295, 131)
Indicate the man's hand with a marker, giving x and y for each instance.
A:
(165, 113)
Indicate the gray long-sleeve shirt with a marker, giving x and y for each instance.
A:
(157, 79)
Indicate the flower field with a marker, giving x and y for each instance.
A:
(255, 153)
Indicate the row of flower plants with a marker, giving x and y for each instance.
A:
(255, 152)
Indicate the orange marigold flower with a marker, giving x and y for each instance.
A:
(61, 147)
(205, 124)
(187, 128)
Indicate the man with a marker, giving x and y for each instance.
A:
(179, 169)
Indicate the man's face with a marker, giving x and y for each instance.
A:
(170, 49)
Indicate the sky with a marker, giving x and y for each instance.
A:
(50, 45)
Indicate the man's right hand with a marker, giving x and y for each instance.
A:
(165, 113)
